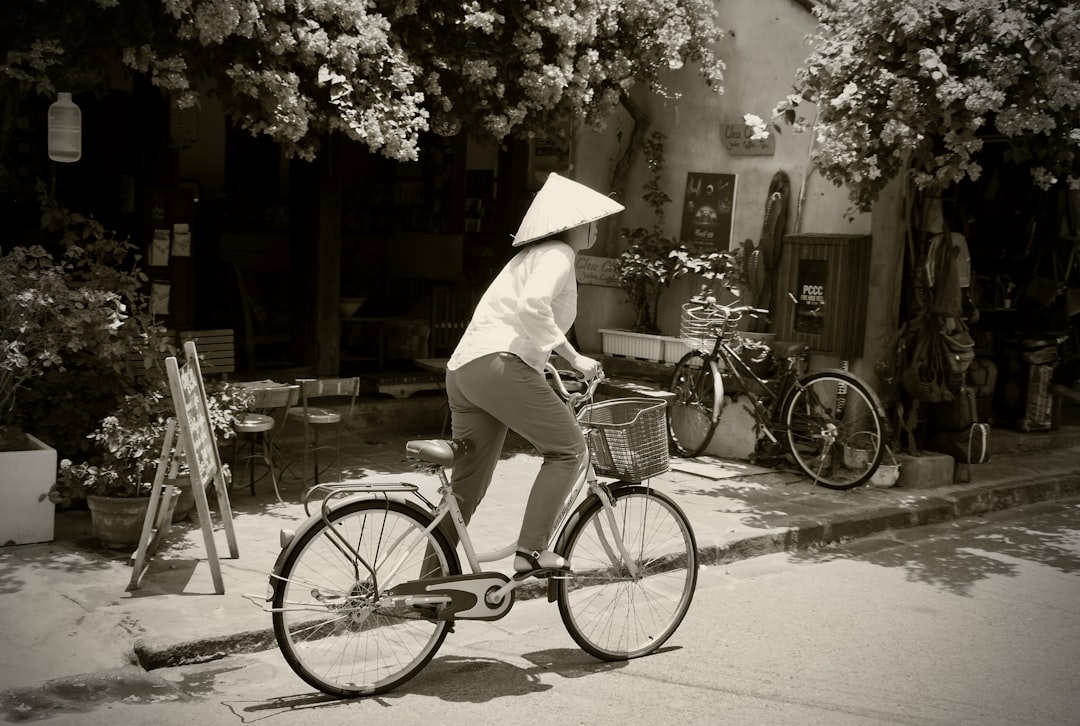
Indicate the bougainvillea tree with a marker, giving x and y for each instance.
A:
(919, 84)
(379, 71)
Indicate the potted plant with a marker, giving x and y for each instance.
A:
(117, 483)
(652, 262)
(66, 295)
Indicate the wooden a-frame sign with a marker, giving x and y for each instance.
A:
(204, 462)
(159, 513)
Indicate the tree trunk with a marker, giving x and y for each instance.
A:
(608, 242)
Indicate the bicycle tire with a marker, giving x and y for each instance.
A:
(694, 408)
(358, 648)
(609, 613)
(837, 451)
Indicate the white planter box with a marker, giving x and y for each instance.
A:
(642, 346)
(674, 349)
(26, 514)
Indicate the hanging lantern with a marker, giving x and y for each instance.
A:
(65, 129)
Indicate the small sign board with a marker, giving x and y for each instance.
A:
(196, 423)
(204, 462)
(739, 141)
(597, 271)
(812, 283)
(708, 209)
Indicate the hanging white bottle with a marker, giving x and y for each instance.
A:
(65, 129)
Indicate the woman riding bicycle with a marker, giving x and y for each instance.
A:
(495, 377)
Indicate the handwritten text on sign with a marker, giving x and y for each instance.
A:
(738, 141)
(597, 271)
(199, 426)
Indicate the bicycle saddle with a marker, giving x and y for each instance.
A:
(786, 348)
(443, 452)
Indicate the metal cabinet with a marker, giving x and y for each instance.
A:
(822, 291)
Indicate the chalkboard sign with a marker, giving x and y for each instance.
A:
(198, 425)
(707, 211)
(200, 447)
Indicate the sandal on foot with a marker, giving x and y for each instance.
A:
(538, 564)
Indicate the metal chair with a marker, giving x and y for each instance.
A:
(317, 418)
(254, 429)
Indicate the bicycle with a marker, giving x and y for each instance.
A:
(364, 593)
(832, 423)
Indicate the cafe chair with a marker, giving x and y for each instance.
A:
(255, 431)
(318, 419)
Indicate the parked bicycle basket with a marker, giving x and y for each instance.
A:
(701, 323)
(627, 437)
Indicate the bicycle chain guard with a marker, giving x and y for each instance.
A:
(466, 592)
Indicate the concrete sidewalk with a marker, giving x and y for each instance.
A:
(64, 610)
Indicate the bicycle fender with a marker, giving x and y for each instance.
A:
(571, 522)
(289, 539)
(560, 544)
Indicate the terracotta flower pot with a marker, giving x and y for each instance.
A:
(185, 502)
(118, 521)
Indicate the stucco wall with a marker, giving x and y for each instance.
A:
(768, 42)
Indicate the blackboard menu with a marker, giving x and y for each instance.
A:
(707, 211)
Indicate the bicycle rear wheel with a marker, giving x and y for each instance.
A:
(610, 612)
(694, 410)
(834, 429)
(332, 621)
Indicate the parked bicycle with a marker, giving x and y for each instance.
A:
(365, 591)
(830, 421)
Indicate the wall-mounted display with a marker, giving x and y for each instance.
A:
(707, 211)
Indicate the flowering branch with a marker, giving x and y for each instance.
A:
(920, 85)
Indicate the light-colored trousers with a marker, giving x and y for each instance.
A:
(497, 392)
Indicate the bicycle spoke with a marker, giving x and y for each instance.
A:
(611, 613)
(694, 408)
(363, 643)
(836, 439)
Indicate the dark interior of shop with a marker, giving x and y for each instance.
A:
(1024, 296)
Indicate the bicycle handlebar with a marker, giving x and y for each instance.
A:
(573, 398)
(730, 310)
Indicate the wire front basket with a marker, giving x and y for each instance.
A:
(702, 322)
(627, 437)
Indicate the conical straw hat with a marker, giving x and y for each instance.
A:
(562, 204)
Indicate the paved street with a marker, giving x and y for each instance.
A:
(970, 621)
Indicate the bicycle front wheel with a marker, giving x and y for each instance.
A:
(615, 611)
(332, 619)
(834, 429)
(694, 409)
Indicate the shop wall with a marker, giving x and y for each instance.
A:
(768, 43)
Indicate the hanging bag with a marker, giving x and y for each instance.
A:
(1044, 290)
(1072, 294)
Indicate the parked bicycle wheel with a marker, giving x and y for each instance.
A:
(611, 612)
(694, 409)
(835, 429)
(332, 621)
